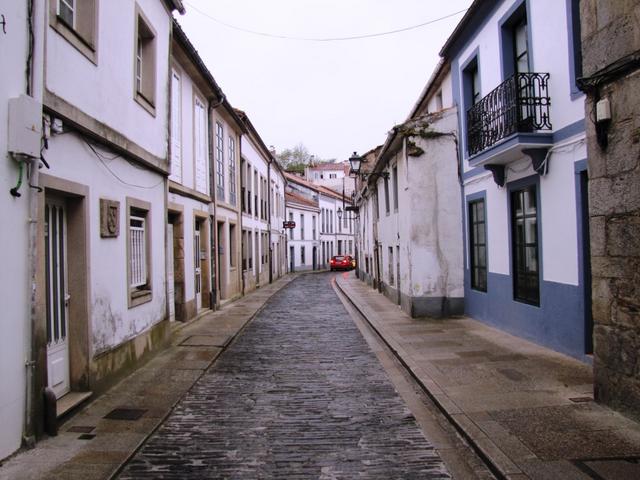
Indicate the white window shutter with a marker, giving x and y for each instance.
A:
(176, 129)
(200, 132)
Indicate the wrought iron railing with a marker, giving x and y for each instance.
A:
(519, 104)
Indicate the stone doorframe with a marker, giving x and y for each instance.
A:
(175, 216)
(205, 273)
(76, 197)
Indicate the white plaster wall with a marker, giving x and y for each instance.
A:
(431, 193)
(278, 234)
(112, 322)
(446, 88)
(548, 53)
(308, 241)
(106, 91)
(14, 274)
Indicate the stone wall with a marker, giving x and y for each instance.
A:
(611, 33)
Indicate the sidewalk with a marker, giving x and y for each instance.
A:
(90, 446)
(527, 410)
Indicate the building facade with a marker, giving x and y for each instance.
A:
(226, 135)
(331, 175)
(190, 218)
(610, 70)
(277, 217)
(411, 209)
(304, 239)
(523, 164)
(254, 178)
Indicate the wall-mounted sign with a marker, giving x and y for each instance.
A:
(289, 224)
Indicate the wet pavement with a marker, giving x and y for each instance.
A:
(298, 395)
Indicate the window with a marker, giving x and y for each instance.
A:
(301, 226)
(313, 225)
(376, 206)
(524, 238)
(233, 245)
(176, 128)
(478, 245)
(232, 170)
(514, 37)
(219, 161)
(391, 266)
(386, 195)
(145, 64)
(248, 179)
(302, 259)
(201, 147)
(244, 250)
(138, 252)
(339, 247)
(76, 21)
(255, 193)
(439, 104)
(250, 248)
(395, 188)
(67, 12)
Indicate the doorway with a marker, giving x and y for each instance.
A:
(586, 262)
(57, 295)
(291, 259)
(314, 257)
(197, 265)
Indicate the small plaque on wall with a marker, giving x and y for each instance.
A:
(109, 218)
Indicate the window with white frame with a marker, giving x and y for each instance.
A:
(220, 161)
(200, 145)
(76, 21)
(145, 64)
(138, 252)
(232, 170)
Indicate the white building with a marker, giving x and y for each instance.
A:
(91, 264)
(523, 164)
(410, 209)
(331, 175)
(256, 235)
(303, 240)
(18, 235)
(190, 206)
(277, 218)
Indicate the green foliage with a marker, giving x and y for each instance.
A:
(296, 158)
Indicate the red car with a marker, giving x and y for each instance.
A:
(342, 262)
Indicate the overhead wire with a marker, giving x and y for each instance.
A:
(323, 39)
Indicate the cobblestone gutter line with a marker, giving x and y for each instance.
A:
(494, 458)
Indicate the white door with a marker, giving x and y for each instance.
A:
(171, 290)
(198, 269)
(55, 232)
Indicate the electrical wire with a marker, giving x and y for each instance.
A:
(117, 177)
(323, 39)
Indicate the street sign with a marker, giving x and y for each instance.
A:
(289, 224)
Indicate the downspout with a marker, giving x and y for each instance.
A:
(31, 388)
(213, 228)
(269, 219)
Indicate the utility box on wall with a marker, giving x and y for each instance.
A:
(25, 126)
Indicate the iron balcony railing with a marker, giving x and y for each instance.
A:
(519, 104)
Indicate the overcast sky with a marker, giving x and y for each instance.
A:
(334, 97)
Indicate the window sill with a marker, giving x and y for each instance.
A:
(138, 297)
(85, 47)
(146, 104)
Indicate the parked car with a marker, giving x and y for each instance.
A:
(342, 262)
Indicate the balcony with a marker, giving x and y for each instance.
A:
(519, 105)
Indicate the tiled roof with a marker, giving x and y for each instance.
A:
(290, 197)
(330, 166)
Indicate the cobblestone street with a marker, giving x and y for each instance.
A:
(298, 395)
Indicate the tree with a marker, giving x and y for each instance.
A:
(296, 158)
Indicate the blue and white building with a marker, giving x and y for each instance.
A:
(523, 163)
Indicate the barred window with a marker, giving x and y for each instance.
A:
(138, 252)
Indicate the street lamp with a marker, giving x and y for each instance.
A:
(356, 164)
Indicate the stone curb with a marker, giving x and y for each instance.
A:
(285, 280)
(499, 464)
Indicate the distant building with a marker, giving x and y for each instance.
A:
(332, 175)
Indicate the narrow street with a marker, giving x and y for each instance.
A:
(298, 395)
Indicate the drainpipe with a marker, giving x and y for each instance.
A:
(269, 219)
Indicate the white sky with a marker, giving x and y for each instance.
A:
(334, 97)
